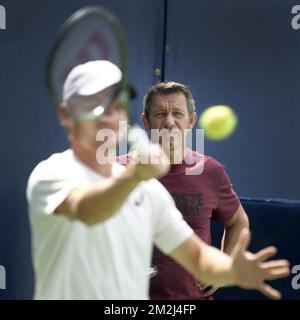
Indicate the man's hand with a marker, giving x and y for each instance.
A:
(251, 271)
(152, 163)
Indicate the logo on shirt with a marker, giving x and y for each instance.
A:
(152, 271)
(139, 200)
(2, 278)
(188, 203)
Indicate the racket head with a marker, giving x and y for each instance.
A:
(91, 33)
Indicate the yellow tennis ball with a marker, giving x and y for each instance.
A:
(218, 122)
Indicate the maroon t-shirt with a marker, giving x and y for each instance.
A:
(200, 198)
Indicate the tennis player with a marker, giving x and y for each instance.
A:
(94, 223)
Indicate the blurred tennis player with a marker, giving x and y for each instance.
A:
(94, 224)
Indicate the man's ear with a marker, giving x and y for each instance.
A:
(63, 115)
(145, 121)
(193, 119)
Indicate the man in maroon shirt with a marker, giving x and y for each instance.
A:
(200, 197)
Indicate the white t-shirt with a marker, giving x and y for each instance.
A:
(109, 260)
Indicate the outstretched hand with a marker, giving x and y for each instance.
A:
(251, 270)
(150, 163)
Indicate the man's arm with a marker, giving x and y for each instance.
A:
(232, 232)
(96, 203)
(244, 269)
(233, 229)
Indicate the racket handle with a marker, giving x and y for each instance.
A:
(138, 139)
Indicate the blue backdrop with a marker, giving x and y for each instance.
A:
(237, 53)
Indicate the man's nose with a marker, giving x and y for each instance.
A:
(169, 121)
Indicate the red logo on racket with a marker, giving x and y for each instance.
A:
(94, 46)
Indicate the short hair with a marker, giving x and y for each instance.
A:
(168, 87)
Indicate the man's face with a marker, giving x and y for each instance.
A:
(85, 132)
(170, 111)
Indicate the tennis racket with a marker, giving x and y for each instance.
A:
(91, 33)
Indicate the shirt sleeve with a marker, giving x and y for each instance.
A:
(45, 192)
(228, 201)
(170, 229)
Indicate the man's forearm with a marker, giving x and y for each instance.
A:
(97, 203)
(231, 235)
(205, 263)
(216, 267)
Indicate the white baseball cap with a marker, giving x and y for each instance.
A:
(90, 78)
